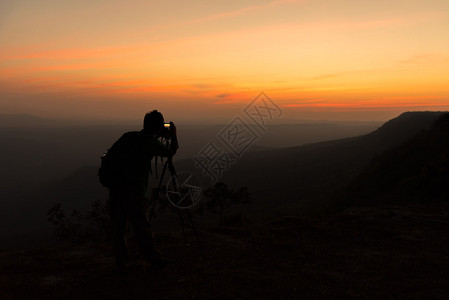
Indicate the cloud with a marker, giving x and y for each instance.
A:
(69, 53)
(415, 59)
(202, 86)
(242, 11)
(225, 95)
(326, 76)
(387, 102)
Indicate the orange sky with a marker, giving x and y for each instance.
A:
(342, 59)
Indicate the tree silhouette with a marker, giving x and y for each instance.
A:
(220, 198)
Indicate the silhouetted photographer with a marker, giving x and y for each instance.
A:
(125, 171)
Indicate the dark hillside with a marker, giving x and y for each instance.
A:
(417, 170)
(406, 125)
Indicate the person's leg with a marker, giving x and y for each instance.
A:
(118, 214)
(138, 214)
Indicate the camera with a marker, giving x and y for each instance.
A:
(167, 125)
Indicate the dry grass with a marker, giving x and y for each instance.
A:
(370, 253)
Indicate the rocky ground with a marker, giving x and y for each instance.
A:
(383, 252)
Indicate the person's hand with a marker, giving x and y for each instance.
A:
(172, 130)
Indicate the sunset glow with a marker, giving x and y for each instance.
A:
(193, 58)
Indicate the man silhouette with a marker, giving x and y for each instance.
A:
(133, 153)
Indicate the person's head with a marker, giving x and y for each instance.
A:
(153, 122)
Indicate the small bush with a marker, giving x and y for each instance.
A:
(78, 227)
(220, 198)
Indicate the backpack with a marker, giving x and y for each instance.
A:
(108, 171)
(114, 161)
(112, 166)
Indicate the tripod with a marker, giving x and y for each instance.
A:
(178, 191)
(168, 164)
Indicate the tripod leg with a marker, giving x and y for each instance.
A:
(158, 190)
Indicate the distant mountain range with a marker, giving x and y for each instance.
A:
(27, 121)
(31, 121)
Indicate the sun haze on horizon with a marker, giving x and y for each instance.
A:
(207, 59)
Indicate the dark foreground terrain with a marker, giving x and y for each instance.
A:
(371, 252)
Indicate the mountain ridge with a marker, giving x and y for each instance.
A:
(416, 170)
(313, 172)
